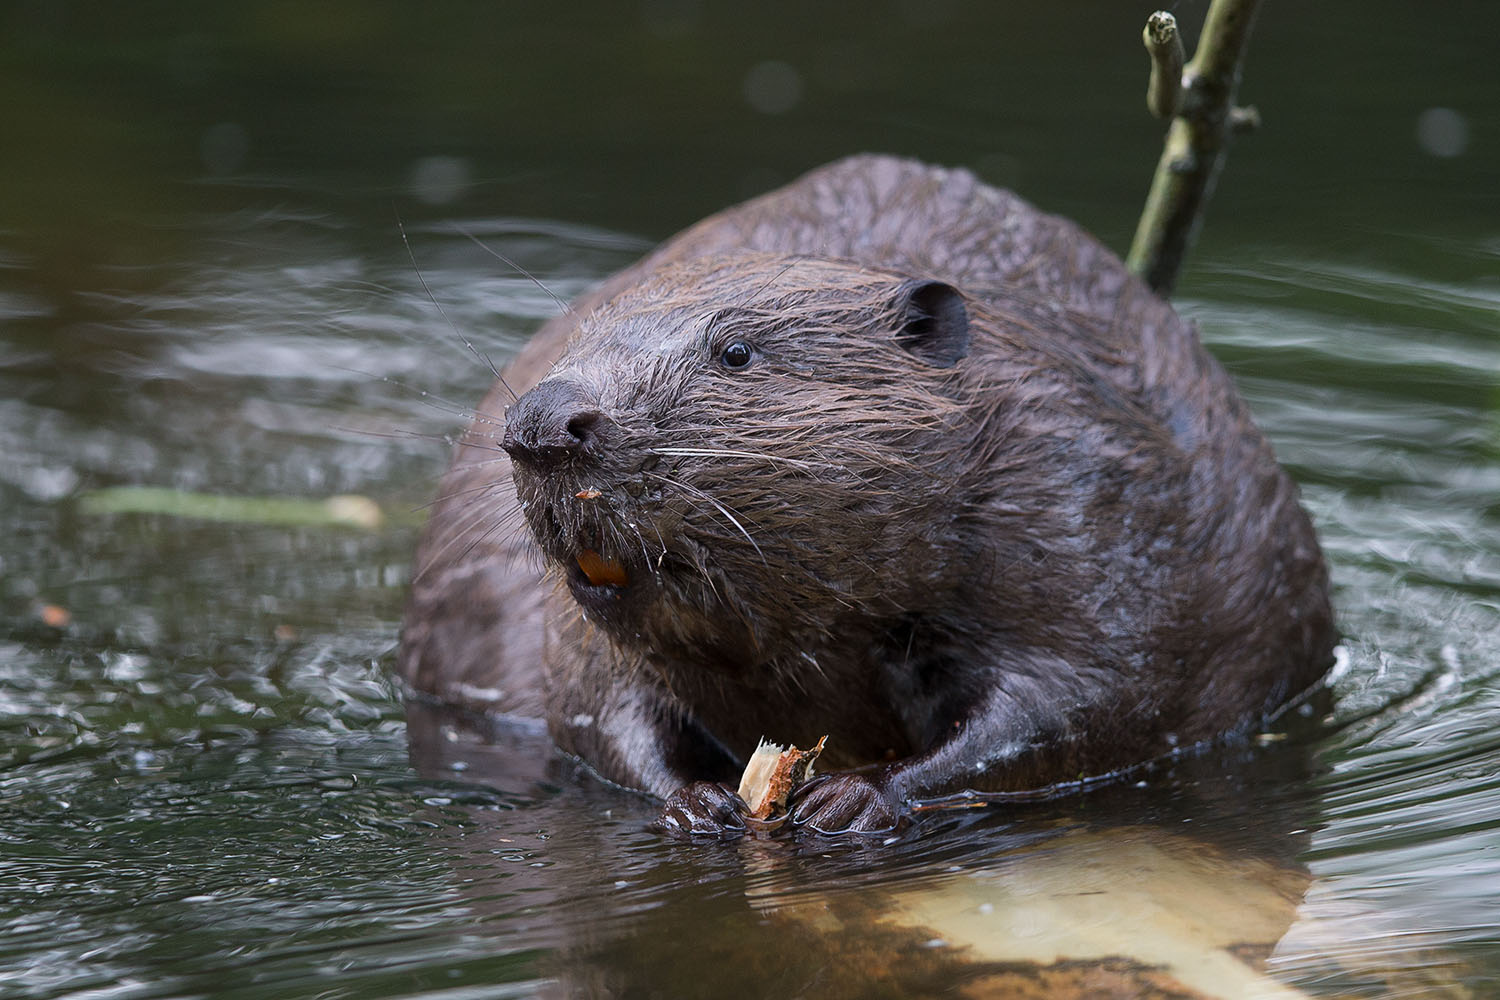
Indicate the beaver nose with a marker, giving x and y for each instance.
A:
(554, 423)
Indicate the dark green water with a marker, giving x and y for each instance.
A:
(205, 781)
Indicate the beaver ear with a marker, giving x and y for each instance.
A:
(934, 323)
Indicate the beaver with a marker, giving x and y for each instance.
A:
(887, 455)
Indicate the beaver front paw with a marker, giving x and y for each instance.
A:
(847, 803)
(702, 809)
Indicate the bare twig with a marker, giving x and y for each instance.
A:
(1196, 140)
(1164, 43)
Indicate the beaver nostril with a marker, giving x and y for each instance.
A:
(552, 424)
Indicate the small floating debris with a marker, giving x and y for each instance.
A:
(55, 616)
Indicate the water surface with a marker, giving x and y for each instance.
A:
(208, 783)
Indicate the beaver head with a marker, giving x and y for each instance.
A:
(740, 452)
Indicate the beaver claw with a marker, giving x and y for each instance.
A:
(702, 809)
(847, 803)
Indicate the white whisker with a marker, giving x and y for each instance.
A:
(722, 509)
(730, 453)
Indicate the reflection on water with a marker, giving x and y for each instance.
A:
(206, 786)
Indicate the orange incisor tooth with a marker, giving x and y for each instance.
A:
(600, 570)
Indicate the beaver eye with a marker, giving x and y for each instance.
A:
(736, 356)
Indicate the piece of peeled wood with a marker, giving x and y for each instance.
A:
(772, 774)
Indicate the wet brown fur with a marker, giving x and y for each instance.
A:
(1066, 553)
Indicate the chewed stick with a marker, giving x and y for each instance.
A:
(772, 774)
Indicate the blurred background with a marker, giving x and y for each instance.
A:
(205, 785)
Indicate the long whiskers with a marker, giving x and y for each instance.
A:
(561, 304)
(429, 399)
(470, 494)
(693, 491)
(401, 227)
(732, 453)
(471, 531)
